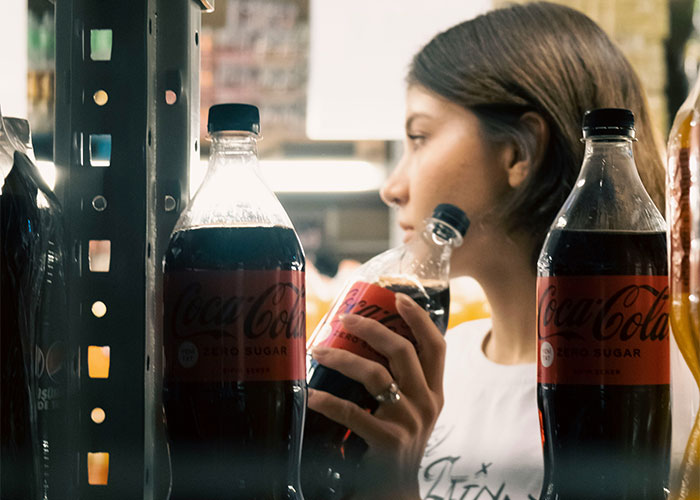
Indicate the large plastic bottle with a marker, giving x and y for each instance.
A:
(603, 371)
(234, 341)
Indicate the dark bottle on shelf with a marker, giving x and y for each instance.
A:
(234, 391)
(603, 337)
(420, 269)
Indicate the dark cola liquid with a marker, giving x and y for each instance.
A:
(331, 452)
(605, 441)
(227, 439)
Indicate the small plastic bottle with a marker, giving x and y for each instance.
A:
(419, 268)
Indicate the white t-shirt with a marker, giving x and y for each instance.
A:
(486, 443)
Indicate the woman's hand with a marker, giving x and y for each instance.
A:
(396, 432)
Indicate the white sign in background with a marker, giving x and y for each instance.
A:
(359, 55)
(13, 58)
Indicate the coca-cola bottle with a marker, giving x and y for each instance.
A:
(603, 368)
(234, 391)
(420, 269)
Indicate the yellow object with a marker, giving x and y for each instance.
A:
(316, 308)
(467, 302)
(682, 214)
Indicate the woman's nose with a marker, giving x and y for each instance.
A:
(394, 192)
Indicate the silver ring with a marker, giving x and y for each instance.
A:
(389, 395)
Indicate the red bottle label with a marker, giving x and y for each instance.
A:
(235, 325)
(368, 300)
(610, 330)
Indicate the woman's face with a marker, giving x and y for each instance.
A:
(446, 160)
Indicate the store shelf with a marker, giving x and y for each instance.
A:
(122, 149)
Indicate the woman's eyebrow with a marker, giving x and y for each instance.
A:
(412, 118)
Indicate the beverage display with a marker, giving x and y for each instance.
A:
(234, 342)
(419, 269)
(682, 146)
(603, 337)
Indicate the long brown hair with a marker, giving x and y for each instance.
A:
(546, 58)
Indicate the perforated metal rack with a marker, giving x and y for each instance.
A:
(118, 95)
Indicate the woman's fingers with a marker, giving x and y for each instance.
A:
(430, 341)
(377, 380)
(375, 377)
(374, 431)
(413, 372)
(403, 361)
(397, 432)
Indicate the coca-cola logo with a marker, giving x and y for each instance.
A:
(277, 310)
(356, 302)
(639, 311)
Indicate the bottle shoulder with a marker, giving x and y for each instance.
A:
(233, 196)
(598, 252)
(609, 195)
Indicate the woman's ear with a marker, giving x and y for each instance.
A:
(530, 149)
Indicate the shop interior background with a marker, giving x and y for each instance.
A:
(328, 77)
(329, 80)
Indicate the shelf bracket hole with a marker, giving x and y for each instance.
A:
(101, 45)
(169, 203)
(100, 150)
(99, 254)
(99, 309)
(170, 97)
(100, 97)
(98, 361)
(98, 468)
(99, 203)
(98, 415)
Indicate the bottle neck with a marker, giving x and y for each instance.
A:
(227, 144)
(428, 255)
(610, 150)
(441, 234)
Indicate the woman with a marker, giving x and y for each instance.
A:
(494, 108)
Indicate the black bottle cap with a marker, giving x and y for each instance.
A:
(608, 121)
(235, 116)
(452, 215)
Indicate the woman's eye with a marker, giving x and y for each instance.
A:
(416, 139)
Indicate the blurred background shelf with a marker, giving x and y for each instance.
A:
(281, 56)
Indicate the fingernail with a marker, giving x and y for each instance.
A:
(404, 299)
(349, 319)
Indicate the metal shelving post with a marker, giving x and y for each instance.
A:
(127, 80)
